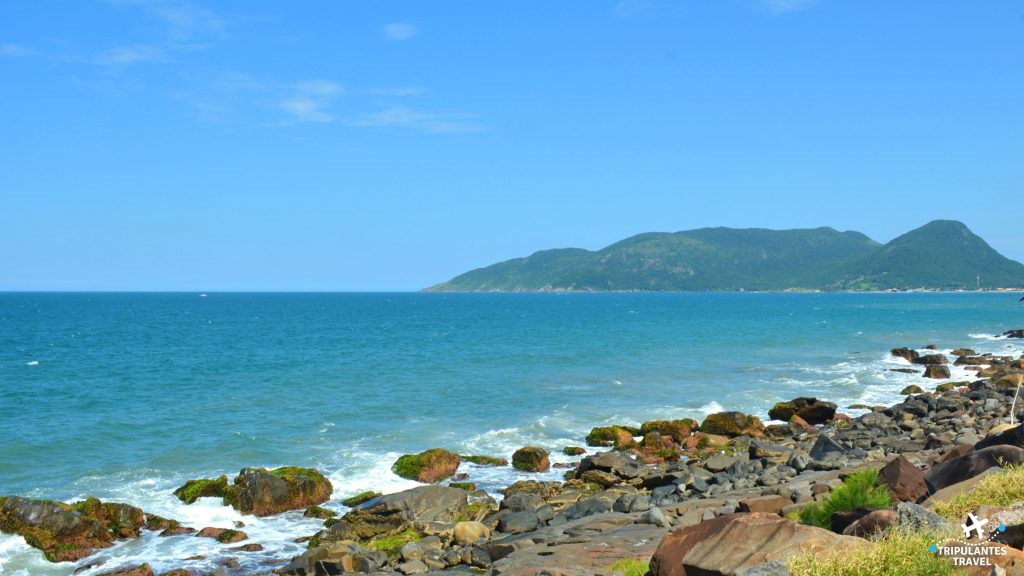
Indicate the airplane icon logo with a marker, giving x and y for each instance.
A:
(975, 525)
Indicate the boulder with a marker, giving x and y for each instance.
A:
(1018, 333)
(824, 447)
(66, 533)
(203, 488)
(732, 424)
(469, 533)
(871, 525)
(971, 464)
(936, 371)
(428, 466)
(679, 430)
(335, 558)
(573, 451)
(397, 512)
(904, 480)
(617, 437)
(222, 535)
(731, 544)
(265, 492)
(905, 353)
(912, 389)
(531, 459)
(931, 359)
(911, 517)
(1012, 437)
(811, 410)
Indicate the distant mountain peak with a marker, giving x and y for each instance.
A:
(942, 254)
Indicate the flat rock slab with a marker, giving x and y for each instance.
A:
(591, 555)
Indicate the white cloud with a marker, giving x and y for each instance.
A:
(310, 101)
(397, 31)
(786, 6)
(422, 120)
(129, 55)
(15, 50)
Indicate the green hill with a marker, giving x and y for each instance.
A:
(941, 254)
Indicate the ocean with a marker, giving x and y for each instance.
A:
(126, 396)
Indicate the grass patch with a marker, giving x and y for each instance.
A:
(897, 554)
(630, 567)
(1001, 489)
(859, 490)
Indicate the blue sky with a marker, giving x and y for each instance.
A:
(376, 145)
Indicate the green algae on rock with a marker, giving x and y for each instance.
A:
(428, 466)
(263, 492)
(531, 459)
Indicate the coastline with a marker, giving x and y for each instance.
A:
(598, 502)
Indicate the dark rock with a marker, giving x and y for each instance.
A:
(931, 359)
(140, 570)
(972, 464)
(905, 353)
(1012, 437)
(64, 532)
(936, 371)
(531, 459)
(841, 520)
(872, 525)
(905, 481)
(519, 522)
(811, 410)
(824, 447)
(1018, 333)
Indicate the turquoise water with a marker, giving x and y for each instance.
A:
(124, 396)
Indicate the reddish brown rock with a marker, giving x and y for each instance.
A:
(428, 467)
(222, 535)
(266, 492)
(871, 525)
(936, 371)
(905, 481)
(62, 532)
(730, 544)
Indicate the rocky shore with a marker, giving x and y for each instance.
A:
(728, 495)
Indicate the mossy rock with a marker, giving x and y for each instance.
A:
(467, 486)
(202, 488)
(319, 512)
(486, 460)
(912, 389)
(392, 545)
(65, 533)
(428, 467)
(947, 386)
(573, 451)
(679, 430)
(732, 424)
(266, 492)
(531, 459)
(618, 437)
(361, 498)
(140, 570)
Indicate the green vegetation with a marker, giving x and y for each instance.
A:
(616, 436)
(295, 474)
(758, 259)
(859, 490)
(195, 489)
(1001, 489)
(391, 545)
(897, 554)
(486, 460)
(467, 486)
(630, 567)
(319, 512)
(573, 451)
(360, 498)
